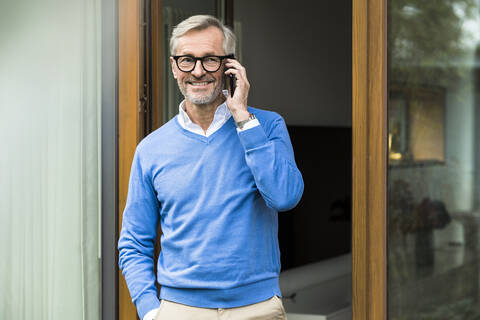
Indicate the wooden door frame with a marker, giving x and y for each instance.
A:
(130, 121)
(369, 129)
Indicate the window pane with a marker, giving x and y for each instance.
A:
(433, 178)
(49, 168)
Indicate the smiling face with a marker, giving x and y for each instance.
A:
(198, 86)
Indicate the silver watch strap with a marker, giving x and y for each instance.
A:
(242, 123)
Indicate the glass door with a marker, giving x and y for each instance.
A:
(433, 159)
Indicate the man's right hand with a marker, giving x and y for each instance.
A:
(151, 315)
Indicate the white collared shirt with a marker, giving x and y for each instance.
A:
(221, 116)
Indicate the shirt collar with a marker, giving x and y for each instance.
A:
(222, 113)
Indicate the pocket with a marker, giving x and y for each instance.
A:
(280, 304)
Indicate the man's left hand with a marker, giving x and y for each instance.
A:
(238, 103)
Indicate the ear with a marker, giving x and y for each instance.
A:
(174, 67)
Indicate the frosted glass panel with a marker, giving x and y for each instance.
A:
(49, 163)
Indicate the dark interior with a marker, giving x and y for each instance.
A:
(319, 227)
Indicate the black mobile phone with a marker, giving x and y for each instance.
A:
(231, 82)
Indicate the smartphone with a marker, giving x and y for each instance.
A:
(231, 82)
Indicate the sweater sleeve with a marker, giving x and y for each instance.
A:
(137, 239)
(272, 162)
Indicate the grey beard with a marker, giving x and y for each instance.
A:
(205, 99)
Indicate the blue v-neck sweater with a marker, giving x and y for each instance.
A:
(217, 200)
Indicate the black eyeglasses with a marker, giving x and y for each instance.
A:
(187, 63)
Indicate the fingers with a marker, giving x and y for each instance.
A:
(232, 64)
(238, 102)
(242, 86)
(235, 68)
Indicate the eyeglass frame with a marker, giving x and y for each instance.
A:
(229, 56)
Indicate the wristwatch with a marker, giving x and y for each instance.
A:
(241, 124)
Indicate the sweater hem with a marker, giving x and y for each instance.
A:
(223, 298)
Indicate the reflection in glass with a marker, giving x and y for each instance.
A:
(433, 181)
(417, 125)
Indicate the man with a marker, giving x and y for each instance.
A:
(215, 177)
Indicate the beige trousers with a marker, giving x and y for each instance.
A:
(271, 309)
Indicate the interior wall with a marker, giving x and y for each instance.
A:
(298, 58)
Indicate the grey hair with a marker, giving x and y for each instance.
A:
(201, 22)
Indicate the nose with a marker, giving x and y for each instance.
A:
(198, 71)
